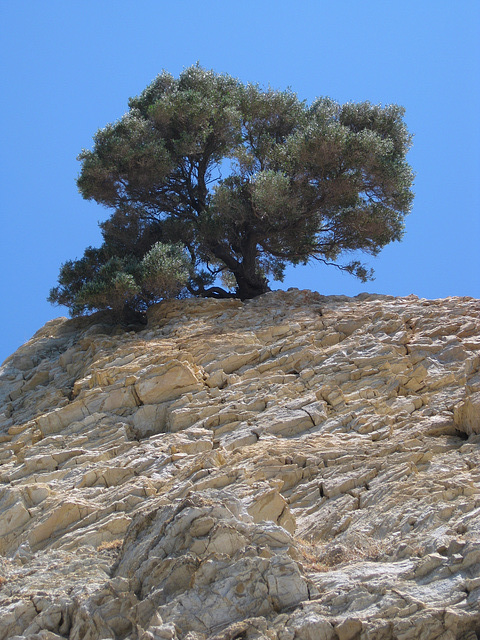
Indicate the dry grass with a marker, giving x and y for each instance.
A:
(310, 559)
(310, 556)
(112, 545)
(323, 557)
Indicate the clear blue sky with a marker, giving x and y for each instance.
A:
(68, 68)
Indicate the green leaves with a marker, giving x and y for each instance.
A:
(128, 160)
(243, 180)
(165, 270)
(98, 282)
(273, 201)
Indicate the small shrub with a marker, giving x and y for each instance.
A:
(322, 557)
(111, 545)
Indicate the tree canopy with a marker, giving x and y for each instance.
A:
(216, 185)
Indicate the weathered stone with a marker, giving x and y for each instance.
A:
(272, 506)
(295, 467)
(58, 419)
(467, 414)
(150, 419)
(165, 382)
(13, 518)
(348, 629)
(65, 514)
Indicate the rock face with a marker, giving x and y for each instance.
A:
(296, 467)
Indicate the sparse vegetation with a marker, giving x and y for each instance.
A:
(320, 557)
(111, 545)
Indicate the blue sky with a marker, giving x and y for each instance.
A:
(68, 68)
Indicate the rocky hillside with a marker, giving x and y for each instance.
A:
(296, 467)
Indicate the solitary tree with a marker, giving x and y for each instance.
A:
(238, 181)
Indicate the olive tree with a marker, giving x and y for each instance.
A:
(244, 181)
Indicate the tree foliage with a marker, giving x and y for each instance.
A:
(242, 180)
(122, 284)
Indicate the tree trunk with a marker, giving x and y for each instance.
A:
(250, 287)
(250, 283)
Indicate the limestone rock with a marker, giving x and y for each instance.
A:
(294, 467)
(467, 414)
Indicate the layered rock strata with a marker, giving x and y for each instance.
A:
(295, 467)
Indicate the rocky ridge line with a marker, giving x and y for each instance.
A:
(296, 467)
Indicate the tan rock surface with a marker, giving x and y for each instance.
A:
(296, 467)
